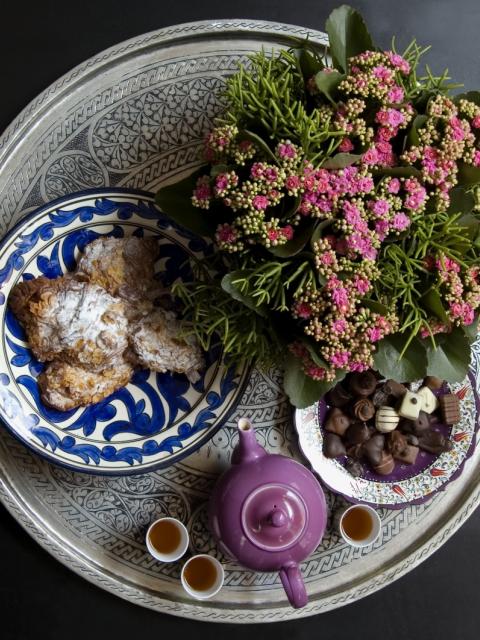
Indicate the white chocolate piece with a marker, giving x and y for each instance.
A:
(428, 399)
(410, 406)
(386, 419)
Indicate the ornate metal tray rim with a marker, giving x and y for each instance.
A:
(58, 546)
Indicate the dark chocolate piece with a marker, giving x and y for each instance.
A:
(363, 383)
(354, 468)
(406, 426)
(434, 442)
(373, 449)
(338, 396)
(450, 408)
(396, 443)
(355, 451)
(421, 424)
(337, 421)
(385, 465)
(408, 455)
(433, 383)
(333, 446)
(394, 388)
(357, 433)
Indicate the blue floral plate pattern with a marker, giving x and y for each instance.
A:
(156, 419)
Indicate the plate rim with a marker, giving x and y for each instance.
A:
(97, 470)
(52, 541)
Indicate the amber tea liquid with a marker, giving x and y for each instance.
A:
(165, 537)
(200, 574)
(357, 524)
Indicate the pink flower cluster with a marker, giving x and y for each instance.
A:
(460, 290)
(344, 329)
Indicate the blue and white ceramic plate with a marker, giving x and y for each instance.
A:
(158, 418)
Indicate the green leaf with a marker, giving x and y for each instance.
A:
(230, 286)
(259, 142)
(467, 174)
(318, 231)
(217, 169)
(413, 137)
(432, 301)
(327, 83)
(175, 201)
(471, 330)
(398, 172)
(310, 64)
(348, 35)
(473, 96)
(341, 160)
(451, 359)
(411, 366)
(300, 388)
(375, 306)
(460, 200)
(296, 244)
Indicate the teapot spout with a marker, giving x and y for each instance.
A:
(247, 448)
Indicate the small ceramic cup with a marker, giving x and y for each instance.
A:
(215, 577)
(373, 533)
(180, 548)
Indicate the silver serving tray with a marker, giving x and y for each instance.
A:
(135, 116)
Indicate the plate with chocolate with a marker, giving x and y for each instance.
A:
(386, 443)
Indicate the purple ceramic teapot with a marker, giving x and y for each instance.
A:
(268, 512)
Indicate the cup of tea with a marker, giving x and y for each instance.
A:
(167, 539)
(202, 576)
(360, 525)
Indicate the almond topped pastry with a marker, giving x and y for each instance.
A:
(157, 346)
(95, 325)
(70, 320)
(65, 386)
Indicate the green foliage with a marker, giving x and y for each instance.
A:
(399, 358)
(348, 35)
(175, 201)
(450, 357)
(302, 390)
(269, 101)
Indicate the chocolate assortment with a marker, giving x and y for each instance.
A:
(380, 423)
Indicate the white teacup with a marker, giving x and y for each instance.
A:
(202, 576)
(167, 539)
(372, 525)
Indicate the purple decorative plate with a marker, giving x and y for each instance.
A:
(408, 484)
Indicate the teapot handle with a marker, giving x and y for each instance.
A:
(294, 586)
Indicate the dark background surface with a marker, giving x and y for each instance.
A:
(41, 599)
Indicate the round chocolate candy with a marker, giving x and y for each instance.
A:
(337, 421)
(394, 388)
(385, 465)
(363, 409)
(357, 433)
(338, 396)
(373, 448)
(396, 443)
(363, 383)
(333, 446)
(386, 419)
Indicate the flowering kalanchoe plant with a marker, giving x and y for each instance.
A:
(342, 199)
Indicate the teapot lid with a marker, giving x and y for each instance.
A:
(274, 516)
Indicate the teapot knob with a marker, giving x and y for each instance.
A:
(277, 517)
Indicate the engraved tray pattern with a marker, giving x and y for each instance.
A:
(135, 116)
